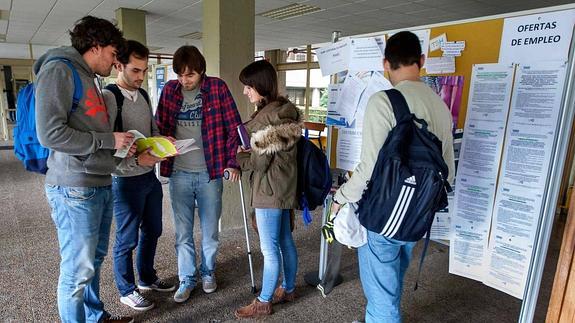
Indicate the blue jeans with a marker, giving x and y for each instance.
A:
(278, 248)
(138, 213)
(187, 188)
(382, 265)
(82, 216)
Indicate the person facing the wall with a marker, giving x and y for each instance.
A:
(383, 261)
(275, 129)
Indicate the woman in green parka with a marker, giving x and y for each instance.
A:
(275, 129)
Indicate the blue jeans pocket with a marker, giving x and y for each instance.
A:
(384, 250)
(80, 193)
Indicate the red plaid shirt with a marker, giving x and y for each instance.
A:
(220, 118)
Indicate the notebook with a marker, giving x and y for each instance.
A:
(244, 137)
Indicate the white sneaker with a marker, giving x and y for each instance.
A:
(209, 284)
(137, 302)
(184, 291)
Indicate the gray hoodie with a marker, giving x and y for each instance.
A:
(81, 143)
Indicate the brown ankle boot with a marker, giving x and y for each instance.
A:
(280, 296)
(255, 309)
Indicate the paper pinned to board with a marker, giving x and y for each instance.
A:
(453, 48)
(440, 65)
(436, 42)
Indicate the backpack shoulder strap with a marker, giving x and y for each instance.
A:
(78, 90)
(400, 108)
(145, 95)
(118, 124)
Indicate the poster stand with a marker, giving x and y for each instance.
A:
(545, 225)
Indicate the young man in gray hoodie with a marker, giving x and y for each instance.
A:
(78, 181)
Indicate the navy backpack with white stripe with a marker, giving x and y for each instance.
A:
(409, 180)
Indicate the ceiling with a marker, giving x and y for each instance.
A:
(44, 23)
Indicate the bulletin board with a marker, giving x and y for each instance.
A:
(483, 40)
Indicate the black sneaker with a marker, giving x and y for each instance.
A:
(159, 286)
(109, 318)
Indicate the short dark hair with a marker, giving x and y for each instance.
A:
(262, 76)
(189, 57)
(130, 48)
(91, 31)
(403, 49)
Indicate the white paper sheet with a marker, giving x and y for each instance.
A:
(478, 167)
(333, 117)
(440, 65)
(538, 37)
(441, 227)
(366, 55)
(530, 136)
(435, 43)
(348, 148)
(334, 58)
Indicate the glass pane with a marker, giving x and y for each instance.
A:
(295, 90)
(318, 104)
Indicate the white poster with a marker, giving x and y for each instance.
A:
(348, 148)
(441, 227)
(354, 93)
(490, 93)
(440, 65)
(366, 54)
(522, 184)
(334, 58)
(333, 117)
(539, 37)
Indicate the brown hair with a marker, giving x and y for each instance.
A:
(132, 47)
(189, 57)
(262, 76)
(91, 31)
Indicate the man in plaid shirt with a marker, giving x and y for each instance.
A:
(199, 107)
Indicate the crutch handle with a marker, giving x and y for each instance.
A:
(226, 174)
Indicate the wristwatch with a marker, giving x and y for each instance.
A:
(136, 160)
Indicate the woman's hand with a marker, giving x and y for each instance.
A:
(242, 150)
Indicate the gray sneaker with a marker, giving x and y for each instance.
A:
(209, 283)
(184, 291)
(137, 302)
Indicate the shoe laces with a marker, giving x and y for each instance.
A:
(136, 297)
(184, 284)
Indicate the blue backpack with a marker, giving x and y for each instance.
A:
(26, 145)
(409, 180)
(314, 177)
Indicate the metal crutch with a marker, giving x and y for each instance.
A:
(227, 176)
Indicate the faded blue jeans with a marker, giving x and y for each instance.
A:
(187, 188)
(382, 266)
(278, 248)
(82, 216)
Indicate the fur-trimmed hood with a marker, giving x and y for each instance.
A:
(277, 127)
